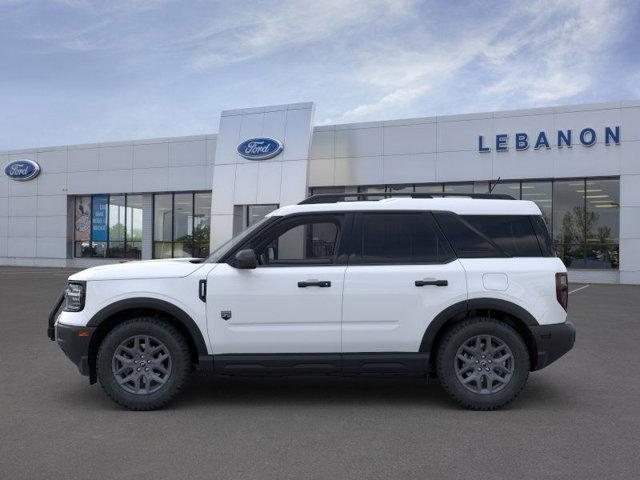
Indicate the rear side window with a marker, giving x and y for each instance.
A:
(513, 234)
(466, 240)
(401, 238)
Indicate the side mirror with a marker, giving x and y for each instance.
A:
(246, 259)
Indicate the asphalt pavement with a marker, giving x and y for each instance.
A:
(577, 419)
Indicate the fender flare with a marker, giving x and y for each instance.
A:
(462, 308)
(155, 304)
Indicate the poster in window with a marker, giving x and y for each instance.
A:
(83, 219)
(99, 218)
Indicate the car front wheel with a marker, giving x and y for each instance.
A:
(483, 363)
(143, 363)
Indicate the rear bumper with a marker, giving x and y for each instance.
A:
(552, 342)
(74, 342)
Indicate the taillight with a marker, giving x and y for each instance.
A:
(562, 289)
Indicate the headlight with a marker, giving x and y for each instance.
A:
(74, 297)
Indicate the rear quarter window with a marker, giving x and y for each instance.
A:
(514, 234)
(466, 240)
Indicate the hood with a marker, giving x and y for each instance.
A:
(172, 268)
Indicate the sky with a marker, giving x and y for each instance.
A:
(80, 71)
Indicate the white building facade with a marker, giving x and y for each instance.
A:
(82, 205)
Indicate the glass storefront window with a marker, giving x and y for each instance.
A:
(400, 188)
(603, 223)
(108, 226)
(201, 224)
(480, 187)
(569, 221)
(182, 224)
(458, 188)
(256, 213)
(82, 226)
(541, 194)
(374, 189)
(162, 225)
(436, 188)
(506, 188)
(568, 211)
(116, 226)
(134, 226)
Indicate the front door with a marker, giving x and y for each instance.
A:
(292, 302)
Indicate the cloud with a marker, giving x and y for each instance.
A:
(398, 98)
(407, 76)
(552, 61)
(287, 25)
(541, 53)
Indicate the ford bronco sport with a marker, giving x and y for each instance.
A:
(466, 288)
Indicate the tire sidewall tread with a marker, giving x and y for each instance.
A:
(181, 364)
(449, 347)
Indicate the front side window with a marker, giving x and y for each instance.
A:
(401, 238)
(303, 241)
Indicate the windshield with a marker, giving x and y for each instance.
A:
(222, 250)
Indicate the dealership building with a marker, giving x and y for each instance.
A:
(83, 205)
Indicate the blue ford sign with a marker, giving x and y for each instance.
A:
(260, 148)
(22, 170)
(564, 138)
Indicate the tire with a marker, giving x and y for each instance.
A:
(504, 368)
(143, 382)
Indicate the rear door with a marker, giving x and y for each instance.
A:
(401, 274)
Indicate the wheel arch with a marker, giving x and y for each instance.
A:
(113, 315)
(510, 313)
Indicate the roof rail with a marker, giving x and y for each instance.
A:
(359, 197)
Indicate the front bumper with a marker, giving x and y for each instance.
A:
(74, 342)
(72, 339)
(552, 342)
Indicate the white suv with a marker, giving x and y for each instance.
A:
(465, 288)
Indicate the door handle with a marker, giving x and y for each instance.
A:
(314, 283)
(437, 283)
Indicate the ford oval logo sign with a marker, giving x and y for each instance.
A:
(22, 170)
(260, 148)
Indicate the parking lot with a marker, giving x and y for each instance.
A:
(579, 418)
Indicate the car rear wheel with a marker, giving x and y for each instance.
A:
(483, 363)
(143, 363)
